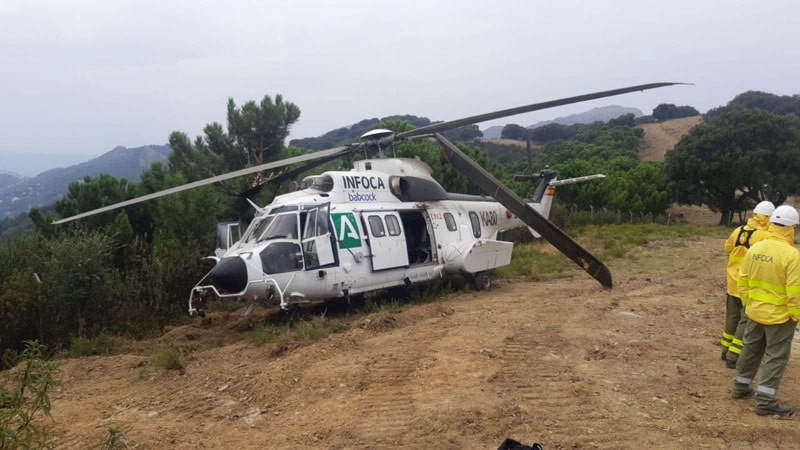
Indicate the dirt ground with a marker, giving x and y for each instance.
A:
(560, 362)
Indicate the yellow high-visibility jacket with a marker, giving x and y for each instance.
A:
(737, 244)
(769, 278)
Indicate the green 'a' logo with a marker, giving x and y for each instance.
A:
(346, 230)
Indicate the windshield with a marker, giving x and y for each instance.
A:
(281, 226)
(257, 228)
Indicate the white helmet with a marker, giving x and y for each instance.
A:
(764, 208)
(785, 215)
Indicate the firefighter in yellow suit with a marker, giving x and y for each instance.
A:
(736, 246)
(769, 286)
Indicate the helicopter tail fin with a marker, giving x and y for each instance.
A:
(542, 199)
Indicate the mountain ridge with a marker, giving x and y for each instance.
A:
(600, 113)
(19, 194)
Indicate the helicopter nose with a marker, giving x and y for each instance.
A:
(230, 275)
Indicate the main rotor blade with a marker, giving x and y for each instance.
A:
(283, 176)
(444, 126)
(549, 231)
(330, 153)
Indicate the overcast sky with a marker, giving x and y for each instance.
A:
(80, 77)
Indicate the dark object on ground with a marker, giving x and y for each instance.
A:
(511, 444)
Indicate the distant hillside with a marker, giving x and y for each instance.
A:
(602, 114)
(8, 178)
(351, 133)
(44, 189)
(659, 138)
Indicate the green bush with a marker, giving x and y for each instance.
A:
(85, 346)
(169, 358)
(116, 440)
(24, 397)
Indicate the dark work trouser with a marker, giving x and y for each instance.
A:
(732, 334)
(772, 341)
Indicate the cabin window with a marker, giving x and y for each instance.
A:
(393, 226)
(376, 226)
(280, 257)
(476, 224)
(450, 221)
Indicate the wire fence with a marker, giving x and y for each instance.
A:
(574, 216)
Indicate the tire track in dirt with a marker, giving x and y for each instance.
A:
(386, 405)
(552, 396)
(185, 407)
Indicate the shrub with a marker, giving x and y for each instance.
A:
(84, 346)
(169, 358)
(25, 397)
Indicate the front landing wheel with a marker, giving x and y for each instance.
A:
(481, 281)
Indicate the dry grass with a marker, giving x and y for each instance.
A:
(659, 138)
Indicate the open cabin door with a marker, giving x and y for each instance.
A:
(386, 239)
(317, 242)
(228, 233)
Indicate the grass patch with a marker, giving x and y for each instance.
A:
(432, 290)
(618, 239)
(169, 358)
(297, 329)
(533, 261)
(85, 346)
(265, 334)
(316, 328)
(382, 305)
(538, 261)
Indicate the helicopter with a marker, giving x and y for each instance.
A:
(383, 224)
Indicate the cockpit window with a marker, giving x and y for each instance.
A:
(282, 226)
(280, 257)
(257, 228)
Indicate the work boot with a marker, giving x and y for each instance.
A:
(724, 354)
(730, 364)
(775, 410)
(742, 395)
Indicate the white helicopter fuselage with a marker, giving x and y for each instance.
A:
(385, 223)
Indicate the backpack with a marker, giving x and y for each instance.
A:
(748, 234)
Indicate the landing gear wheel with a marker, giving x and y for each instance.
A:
(290, 312)
(355, 301)
(481, 281)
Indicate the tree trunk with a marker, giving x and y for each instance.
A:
(726, 217)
